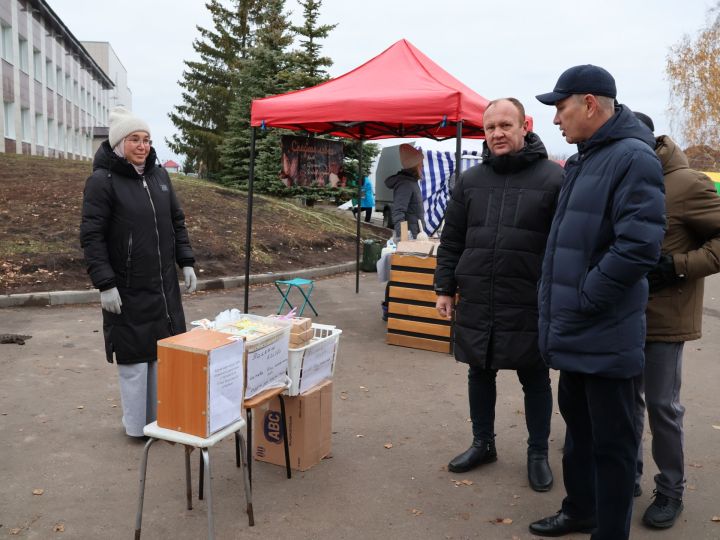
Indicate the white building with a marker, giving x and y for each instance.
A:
(103, 53)
(53, 92)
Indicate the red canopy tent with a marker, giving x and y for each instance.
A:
(399, 93)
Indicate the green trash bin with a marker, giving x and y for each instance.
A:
(372, 250)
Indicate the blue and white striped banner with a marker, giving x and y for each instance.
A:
(437, 169)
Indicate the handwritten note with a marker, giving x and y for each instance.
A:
(266, 367)
(317, 364)
(225, 381)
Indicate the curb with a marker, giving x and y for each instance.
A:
(90, 296)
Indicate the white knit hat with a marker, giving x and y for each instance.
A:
(123, 123)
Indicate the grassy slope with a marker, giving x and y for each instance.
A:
(40, 206)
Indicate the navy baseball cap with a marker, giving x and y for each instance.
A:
(586, 79)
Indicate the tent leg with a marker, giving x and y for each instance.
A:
(248, 227)
(458, 150)
(361, 180)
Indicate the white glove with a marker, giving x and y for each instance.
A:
(110, 300)
(421, 236)
(190, 279)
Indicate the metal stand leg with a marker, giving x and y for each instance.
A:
(286, 443)
(188, 481)
(202, 477)
(141, 497)
(237, 450)
(248, 416)
(208, 476)
(246, 481)
(307, 299)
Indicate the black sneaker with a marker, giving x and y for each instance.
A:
(663, 511)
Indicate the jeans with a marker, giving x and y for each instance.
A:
(661, 387)
(600, 451)
(482, 395)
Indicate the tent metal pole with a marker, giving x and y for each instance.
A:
(458, 150)
(248, 226)
(361, 180)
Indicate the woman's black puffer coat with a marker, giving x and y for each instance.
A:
(491, 252)
(133, 232)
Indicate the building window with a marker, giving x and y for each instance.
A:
(9, 109)
(52, 134)
(67, 88)
(49, 73)
(23, 52)
(59, 79)
(6, 42)
(76, 93)
(39, 130)
(25, 125)
(61, 137)
(37, 65)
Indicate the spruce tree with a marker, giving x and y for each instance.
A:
(265, 72)
(309, 66)
(209, 84)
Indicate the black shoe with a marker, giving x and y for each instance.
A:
(561, 524)
(480, 452)
(663, 511)
(539, 474)
(638, 491)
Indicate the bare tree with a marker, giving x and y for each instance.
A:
(693, 68)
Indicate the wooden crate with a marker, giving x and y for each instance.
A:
(200, 382)
(413, 320)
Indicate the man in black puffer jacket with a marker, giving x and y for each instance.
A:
(605, 236)
(491, 250)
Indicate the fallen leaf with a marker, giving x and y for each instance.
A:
(362, 388)
(503, 521)
(716, 427)
(359, 435)
(695, 465)
(80, 407)
(59, 527)
(343, 396)
(15, 531)
(516, 496)
(467, 482)
(715, 519)
(416, 512)
(388, 445)
(38, 491)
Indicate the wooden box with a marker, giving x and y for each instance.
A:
(413, 320)
(200, 381)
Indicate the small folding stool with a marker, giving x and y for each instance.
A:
(154, 432)
(284, 286)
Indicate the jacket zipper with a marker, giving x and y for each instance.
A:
(492, 276)
(128, 262)
(157, 235)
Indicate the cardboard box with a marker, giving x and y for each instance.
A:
(300, 339)
(200, 382)
(309, 425)
(298, 323)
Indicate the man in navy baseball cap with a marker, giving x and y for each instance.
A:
(586, 79)
(606, 234)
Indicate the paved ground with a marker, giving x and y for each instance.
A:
(60, 432)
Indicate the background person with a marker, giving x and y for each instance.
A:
(367, 202)
(491, 249)
(691, 251)
(407, 202)
(132, 233)
(605, 236)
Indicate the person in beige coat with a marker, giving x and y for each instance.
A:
(690, 251)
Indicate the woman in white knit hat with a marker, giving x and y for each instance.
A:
(133, 234)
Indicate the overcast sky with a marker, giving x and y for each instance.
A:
(499, 48)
